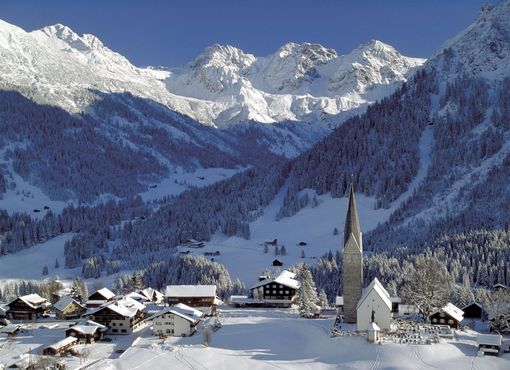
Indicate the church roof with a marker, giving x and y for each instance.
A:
(379, 289)
(352, 225)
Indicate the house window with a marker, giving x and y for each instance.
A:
(281, 291)
(114, 324)
(450, 321)
(434, 320)
(274, 291)
(115, 330)
(441, 321)
(286, 292)
(123, 330)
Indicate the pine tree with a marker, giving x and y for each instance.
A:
(323, 299)
(335, 231)
(45, 269)
(303, 253)
(306, 294)
(79, 290)
(283, 250)
(136, 281)
(276, 251)
(56, 264)
(266, 248)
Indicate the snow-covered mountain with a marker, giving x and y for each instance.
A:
(481, 50)
(300, 82)
(223, 85)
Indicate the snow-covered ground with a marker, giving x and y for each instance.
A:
(264, 338)
(181, 181)
(313, 225)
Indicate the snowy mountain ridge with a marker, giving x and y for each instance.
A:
(223, 85)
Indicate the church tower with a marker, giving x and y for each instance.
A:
(352, 258)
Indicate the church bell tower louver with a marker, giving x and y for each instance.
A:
(352, 257)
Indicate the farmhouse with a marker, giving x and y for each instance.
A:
(68, 309)
(86, 331)
(28, 307)
(447, 315)
(374, 306)
(276, 292)
(202, 297)
(178, 321)
(118, 318)
(99, 297)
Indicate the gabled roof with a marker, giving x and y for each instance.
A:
(181, 310)
(285, 278)
(138, 297)
(11, 328)
(104, 292)
(190, 291)
(453, 311)
(373, 327)
(62, 343)
(65, 302)
(473, 304)
(117, 308)
(85, 329)
(131, 303)
(377, 287)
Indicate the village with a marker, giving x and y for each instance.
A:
(104, 328)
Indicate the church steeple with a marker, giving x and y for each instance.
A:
(352, 221)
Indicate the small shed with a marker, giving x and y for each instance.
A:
(339, 304)
(277, 262)
(490, 344)
(11, 330)
(373, 332)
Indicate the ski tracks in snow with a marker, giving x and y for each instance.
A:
(377, 363)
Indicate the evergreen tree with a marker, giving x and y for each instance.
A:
(323, 299)
(45, 269)
(56, 264)
(266, 248)
(79, 290)
(283, 250)
(306, 294)
(136, 281)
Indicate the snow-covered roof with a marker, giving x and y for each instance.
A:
(150, 292)
(490, 339)
(62, 343)
(10, 328)
(395, 299)
(85, 329)
(373, 327)
(190, 291)
(131, 303)
(105, 292)
(285, 278)
(472, 304)
(376, 286)
(34, 300)
(181, 310)
(453, 311)
(137, 296)
(65, 302)
(339, 300)
(117, 308)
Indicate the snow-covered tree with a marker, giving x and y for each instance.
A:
(79, 290)
(323, 299)
(306, 294)
(428, 285)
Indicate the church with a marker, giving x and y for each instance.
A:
(360, 306)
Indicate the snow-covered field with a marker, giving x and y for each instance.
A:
(264, 338)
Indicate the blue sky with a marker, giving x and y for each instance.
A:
(170, 33)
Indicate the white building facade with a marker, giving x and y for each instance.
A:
(177, 321)
(374, 306)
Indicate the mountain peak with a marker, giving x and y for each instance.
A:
(314, 52)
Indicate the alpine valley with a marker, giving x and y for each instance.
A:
(107, 168)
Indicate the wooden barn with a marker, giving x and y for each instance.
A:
(474, 311)
(60, 346)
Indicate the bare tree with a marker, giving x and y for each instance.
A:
(427, 286)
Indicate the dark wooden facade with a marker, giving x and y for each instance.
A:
(474, 311)
(84, 337)
(442, 318)
(111, 319)
(192, 301)
(20, 310)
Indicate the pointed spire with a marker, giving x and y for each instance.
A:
(351, 220)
